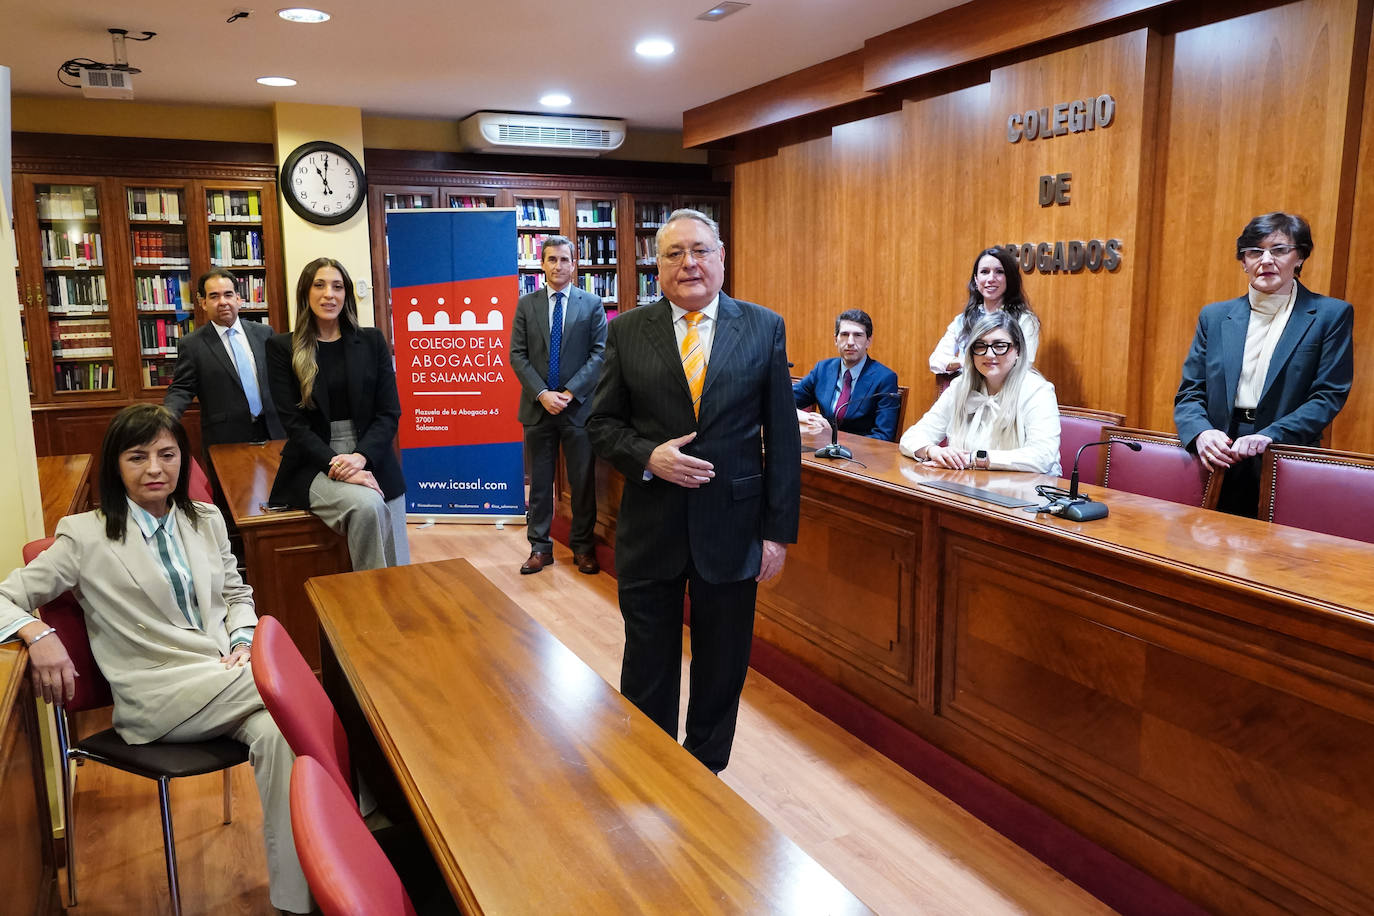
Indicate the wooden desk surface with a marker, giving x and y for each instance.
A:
(245, 471)
(541, 789)
(64, 481)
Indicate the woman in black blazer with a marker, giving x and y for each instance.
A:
(335, 389)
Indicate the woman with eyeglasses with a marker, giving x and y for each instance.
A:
(994, 285)
(1000, 415)
(1273, 365)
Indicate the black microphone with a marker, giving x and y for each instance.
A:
(834, 449)
(1078, 508)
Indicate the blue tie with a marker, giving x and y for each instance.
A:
(245, 367)
(556, 344)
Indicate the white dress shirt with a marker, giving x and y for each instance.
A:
(1038, 451)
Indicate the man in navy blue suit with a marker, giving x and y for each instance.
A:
(861, 392)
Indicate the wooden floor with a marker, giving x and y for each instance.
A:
(895, 843)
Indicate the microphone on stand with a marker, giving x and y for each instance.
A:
(1078, 508)
(834, 449)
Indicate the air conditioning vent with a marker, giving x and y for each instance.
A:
(503, 132)
(107, 84)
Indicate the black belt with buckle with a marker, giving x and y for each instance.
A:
(1244, 413)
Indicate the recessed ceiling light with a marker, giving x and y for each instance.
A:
(303, 14)
(721, 10)
(276, 81)
(654, 47)
(555, 100)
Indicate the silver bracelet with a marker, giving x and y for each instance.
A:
(48, 632)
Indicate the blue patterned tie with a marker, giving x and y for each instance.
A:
(556, 344)
(245, 367)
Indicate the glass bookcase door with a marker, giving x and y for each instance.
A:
(537, 216)
(598, 264)
(650, 215)
(75, 287)
(234, 220)
(161, 255)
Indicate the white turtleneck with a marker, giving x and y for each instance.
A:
(1269, 314)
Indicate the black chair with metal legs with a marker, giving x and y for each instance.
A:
(158, 760)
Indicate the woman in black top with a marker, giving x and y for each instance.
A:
(335, 387)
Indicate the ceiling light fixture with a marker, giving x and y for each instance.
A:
(721, 10)
(276, 81)
(654, 47)
(303, 14)
(555, 100)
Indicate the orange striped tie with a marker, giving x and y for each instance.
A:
(693, 359)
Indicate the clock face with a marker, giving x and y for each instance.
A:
(324, 183)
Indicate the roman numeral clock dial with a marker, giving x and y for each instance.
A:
(323, 183)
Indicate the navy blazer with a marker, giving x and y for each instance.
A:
(584, 343)
(205, 371)
(643, 401)
(874, 404)
(373, 404)
(1307, 383)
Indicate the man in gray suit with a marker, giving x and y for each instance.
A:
(695, 392)
(557, 341)
(224, 365)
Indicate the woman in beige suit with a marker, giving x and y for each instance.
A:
(170, 621)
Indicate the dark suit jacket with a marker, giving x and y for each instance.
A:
(870, 413)
(205, 371)
(373, 404)
(746, 408)
(1307, 383)
(584, 343)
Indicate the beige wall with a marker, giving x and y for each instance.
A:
(21, 505)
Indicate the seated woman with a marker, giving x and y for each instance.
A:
(1002, 415)
(170, 621)
(994, 285)
(335, 390)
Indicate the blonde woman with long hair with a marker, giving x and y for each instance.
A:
(335, 389)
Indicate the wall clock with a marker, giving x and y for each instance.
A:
(323, 183)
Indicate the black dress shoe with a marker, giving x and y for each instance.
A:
(586, 563)
(536, 562)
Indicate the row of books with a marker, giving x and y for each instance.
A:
(236, 248)
(160, 336)
(408, 202)
(158, 372)
(646, 249)
(155, 203)
(468, 202)
(83, 376)
(68, 292)
(648, 288)
(162, 291)
(710, 208)
(596, 249)
(160, 249)
(252, 290)
(59, 201)
(651, 215)
(530, 248)
(598, 214)
(233, 206)
(83, 337)
(69, 248)
(537, 212)
(602, 285)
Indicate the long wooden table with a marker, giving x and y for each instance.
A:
(281, 548)
(64, 481)
(538, 787)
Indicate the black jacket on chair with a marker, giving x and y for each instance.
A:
(374, 406)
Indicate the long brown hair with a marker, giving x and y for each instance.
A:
(306, 334)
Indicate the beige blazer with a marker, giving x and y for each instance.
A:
(161, 669)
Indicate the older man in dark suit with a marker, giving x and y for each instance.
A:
(1274, 365)
(224, 365)
(557, 340)
(695, 409)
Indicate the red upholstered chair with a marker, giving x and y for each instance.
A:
(347, 871)
(157, 760)
(1319, 489)
(1162, 468)
(298, 703)
(1077, 427)
(199, 487)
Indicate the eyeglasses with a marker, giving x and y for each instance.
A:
(998, 347)
(675, 256)
(1278, 251)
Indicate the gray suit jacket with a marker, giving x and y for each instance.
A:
(746, 410)
(584, 343)
(205, 371)
(1309, 374)
(161, 670)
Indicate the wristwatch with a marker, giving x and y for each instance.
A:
(980, 459)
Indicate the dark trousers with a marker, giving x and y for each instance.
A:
(542, 443)
(1240, 487)
(722, 633)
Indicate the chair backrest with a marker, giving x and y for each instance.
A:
(64, 614)
(1319, 489)
(347, 871)
(297, 702)
(1077, 427)
(1162, 468)
(199, 487)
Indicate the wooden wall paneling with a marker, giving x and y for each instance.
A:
(1256, 110)
(1085, 338)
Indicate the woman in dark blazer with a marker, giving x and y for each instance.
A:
(335, 389)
